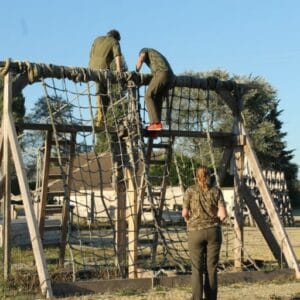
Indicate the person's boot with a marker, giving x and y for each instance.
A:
(154, 127)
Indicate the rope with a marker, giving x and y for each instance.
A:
(5, 70)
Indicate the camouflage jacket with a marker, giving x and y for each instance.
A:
(203, 206)
(156, 61)
(103, 52)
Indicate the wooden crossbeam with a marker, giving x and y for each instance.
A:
(221, 138)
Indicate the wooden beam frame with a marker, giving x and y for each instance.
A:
(44, 189)
(12, 141)
(238, 208)
(132, 223)
(66, 205)
(7, 177)
(118, 178)
(262, 224)
(223, 88)
(280, 233)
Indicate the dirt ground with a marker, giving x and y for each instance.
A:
(275, 290)
(243, 290)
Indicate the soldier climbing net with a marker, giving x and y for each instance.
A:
(119, 189)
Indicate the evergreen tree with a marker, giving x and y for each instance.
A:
(265, 128)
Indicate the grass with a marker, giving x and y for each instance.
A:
(19, 286)
(24, 280)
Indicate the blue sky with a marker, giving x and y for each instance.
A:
(258, 37)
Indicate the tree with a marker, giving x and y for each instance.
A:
(60, 108)
(262, 122)
(40, 114)
(265, 128)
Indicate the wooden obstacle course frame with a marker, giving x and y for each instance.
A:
(238, 142)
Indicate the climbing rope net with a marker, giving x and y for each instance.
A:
(124, 188)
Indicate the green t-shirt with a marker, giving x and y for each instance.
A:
(203, 206)
(103, 52)
(156, 61)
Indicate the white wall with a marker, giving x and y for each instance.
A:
(174, 196)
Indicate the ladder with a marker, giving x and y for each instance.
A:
(64, 159)
(158, 158)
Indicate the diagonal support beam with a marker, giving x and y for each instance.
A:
(12, 140)
(262, 224)
(280, 233)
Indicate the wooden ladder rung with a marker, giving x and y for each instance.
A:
(62, 142)
(55, 159)
(157, 162)
(146, 241)
(161, 146)
(56, 193)
(156, 194)
(143, 256)
(55, 176)
(53, 209)
(52, 228)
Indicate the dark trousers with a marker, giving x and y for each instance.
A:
(204, 246)
(102, 102)
(156, 91)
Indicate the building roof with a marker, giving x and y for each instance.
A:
(90, 171)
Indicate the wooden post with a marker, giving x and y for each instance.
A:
(7, 176)
(120, 219)
(25, 192)
(45, 177)
(66, 205)
(92, 212)
(238, 203)
(132, 224)
(118, 149)
(2, 178)
(227, 155)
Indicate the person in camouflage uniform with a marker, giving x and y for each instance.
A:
(161, 82)
(204, 210)
(104, 51)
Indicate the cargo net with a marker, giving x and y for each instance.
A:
(123, 190)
